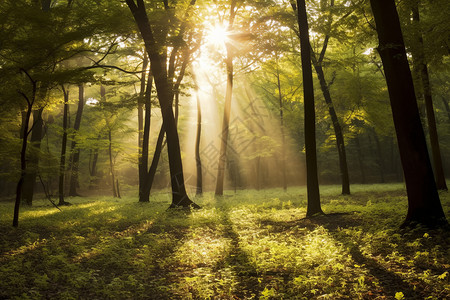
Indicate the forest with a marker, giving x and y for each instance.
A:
(224, 149)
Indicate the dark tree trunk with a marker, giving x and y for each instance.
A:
(23, 160)
(144, 193)
(434, 140)
(340, 144)
(424, 206)
(75, 152)
(33, 160)
(62, 164)
(154, 165)
(227, 109)
(179, 195)
(198, 161)
(312, 182)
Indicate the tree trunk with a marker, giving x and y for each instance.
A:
(93, 167)
(434, 140)
(179, 195)
(33, 160)
(227, 108)
(75, 152)
(145, 99)
(111, 165)
(23, 161)
(283, 139)
(198, 161)
(62, 164)
(424, 205)
(312, 181)
(340, 144)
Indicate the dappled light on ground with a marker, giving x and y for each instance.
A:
(253, 245)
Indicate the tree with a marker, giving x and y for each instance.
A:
(74, 150)
(227, 108)
(424, 206)
(314, 207)
(420, 60)
(62, 161)
(30, 99)
(198, 160)
(154, 50)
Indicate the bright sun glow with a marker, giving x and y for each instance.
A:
(217, 35)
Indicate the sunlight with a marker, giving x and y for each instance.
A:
(217, 35)
(368, 51)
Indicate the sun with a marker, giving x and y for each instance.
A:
(217, 35)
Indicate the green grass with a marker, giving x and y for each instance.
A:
(248, 245)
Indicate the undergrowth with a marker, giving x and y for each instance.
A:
(245, 245)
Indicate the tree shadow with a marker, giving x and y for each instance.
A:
(389, 281)
(244, 270)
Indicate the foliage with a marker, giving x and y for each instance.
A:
(254, 245)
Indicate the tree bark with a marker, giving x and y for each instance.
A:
(179, 195)
(62, 164)
(431, 119)
(75, 152)
(312, 181)
(424, 206)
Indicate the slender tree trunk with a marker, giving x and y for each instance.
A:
(424, 205)
(154, 165)
(434, 140)
(312, 181)
(198, 161)
(340, 144)
(111, 165)
(145, 99)
(75, 152)
(179, 195)
(33, 160)
(283, 139)
(93, 167)
(62, 164)
(227, 109)
(23, 166)
(23, 162)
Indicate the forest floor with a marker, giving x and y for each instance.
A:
(245, 245)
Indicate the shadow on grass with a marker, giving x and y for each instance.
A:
(247, 285)
(389, 281)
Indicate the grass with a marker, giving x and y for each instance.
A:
(248, 245)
